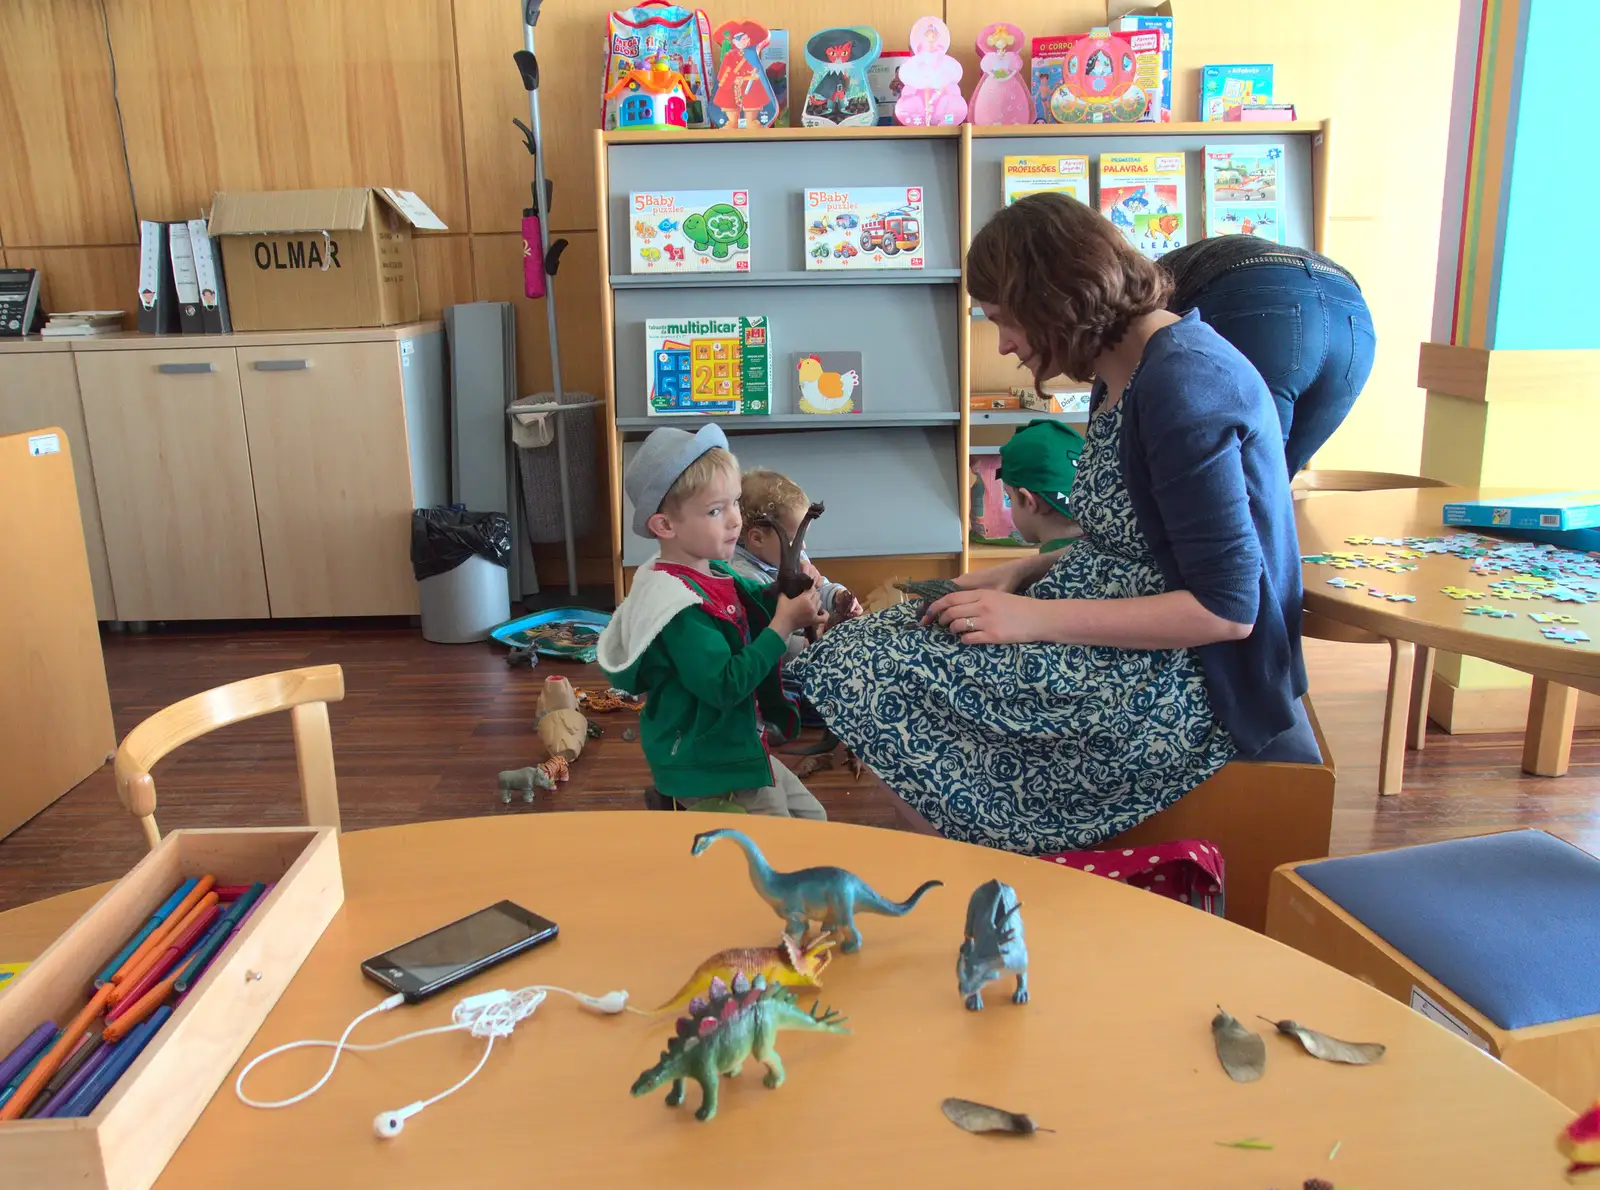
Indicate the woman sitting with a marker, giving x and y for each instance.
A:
(1138, 660)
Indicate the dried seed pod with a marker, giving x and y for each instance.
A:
(1243, 1054)
(980, 1117)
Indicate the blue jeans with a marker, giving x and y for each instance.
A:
(1308, 332)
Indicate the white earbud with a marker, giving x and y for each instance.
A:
(391, 1123)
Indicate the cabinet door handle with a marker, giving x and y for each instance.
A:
(281, 365)
(185, 369)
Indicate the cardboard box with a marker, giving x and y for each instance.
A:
(316, 259)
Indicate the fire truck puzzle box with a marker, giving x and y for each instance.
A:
(879, 227)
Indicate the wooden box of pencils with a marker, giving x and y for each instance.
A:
(196, 944)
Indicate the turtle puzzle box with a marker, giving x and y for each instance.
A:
(708, 364)
(876, 227)
(690, 231)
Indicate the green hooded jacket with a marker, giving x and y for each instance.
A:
(704, 684)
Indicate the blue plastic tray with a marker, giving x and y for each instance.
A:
(513, 632)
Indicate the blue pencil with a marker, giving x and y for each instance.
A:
(82, 1075)
(16, 1079)
(122, 1056)
(195, 963)
(24, 1053)
(159, 916)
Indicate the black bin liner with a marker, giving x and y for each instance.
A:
(443, 538)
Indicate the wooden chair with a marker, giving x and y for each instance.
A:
(1405, 710)
(304, 693)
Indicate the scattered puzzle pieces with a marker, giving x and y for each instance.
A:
(1358, 541)
(1497, 613)
(1401, 598)
(1550, 618)
(1344, 584)
(1567, 636)
(1461, 593)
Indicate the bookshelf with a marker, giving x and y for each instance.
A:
(895, 475)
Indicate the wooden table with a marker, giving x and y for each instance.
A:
(1114, 1051)
(1435, 621)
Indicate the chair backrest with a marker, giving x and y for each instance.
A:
(1359, 481)
(304, 693)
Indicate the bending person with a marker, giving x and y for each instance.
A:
(1137, 661)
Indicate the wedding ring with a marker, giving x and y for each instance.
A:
(969, 624)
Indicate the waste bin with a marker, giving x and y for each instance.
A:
(460, 560)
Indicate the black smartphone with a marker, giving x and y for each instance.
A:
(443, 958)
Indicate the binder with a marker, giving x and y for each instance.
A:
(158, 307)
(20, 310)
(185, 284)
(208, 272)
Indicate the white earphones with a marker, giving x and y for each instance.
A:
(489, 1015)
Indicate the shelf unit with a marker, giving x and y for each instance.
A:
(895, 476)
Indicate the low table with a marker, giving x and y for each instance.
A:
(1114, 1051)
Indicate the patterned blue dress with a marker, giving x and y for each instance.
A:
(1031, 748)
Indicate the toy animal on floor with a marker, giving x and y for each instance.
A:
(789, 964)
(538, 776)
(830, 897)
(736, 1022)
(824, 754)
(994, 945)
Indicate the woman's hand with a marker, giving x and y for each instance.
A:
(991, 617)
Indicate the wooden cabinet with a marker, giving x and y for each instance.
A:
(172, 468)
(327, 431)
(39, 389)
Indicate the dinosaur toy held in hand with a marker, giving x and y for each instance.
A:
(793, 581)
(831, 897)
(994, 945)
(733, 1024)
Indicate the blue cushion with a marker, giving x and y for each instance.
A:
(1508, 922)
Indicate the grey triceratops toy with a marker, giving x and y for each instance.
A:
(993, 945)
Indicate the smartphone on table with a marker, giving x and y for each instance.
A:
(445, 957)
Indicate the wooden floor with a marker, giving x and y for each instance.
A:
(424, 729)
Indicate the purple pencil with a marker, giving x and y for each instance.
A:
(238, 925)
(23, 1054)
(82, 1075)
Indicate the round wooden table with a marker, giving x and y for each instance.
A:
(1327, 520)
(1114, 1052)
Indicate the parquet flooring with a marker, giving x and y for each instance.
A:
(424, 729)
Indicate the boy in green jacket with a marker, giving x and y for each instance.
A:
(1037, 467)
(703, 645)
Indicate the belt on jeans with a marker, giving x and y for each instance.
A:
(1311, 266)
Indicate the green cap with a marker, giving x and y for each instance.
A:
(1042, 458)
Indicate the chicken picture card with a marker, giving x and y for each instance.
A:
(829, 381)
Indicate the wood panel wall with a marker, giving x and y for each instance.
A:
(115, 110)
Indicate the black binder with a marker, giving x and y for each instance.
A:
(158, 305)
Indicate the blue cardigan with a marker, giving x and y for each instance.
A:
(1202, 457)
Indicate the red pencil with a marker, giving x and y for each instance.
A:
(132, 975)
(157, 941)
(180, 946)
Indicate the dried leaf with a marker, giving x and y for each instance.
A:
(1252, 1143)
(980, 1117)
(1243, 1054)
(1331, 1049)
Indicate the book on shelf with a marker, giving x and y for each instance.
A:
(1143, 195)
(829, 382)
(19, 302)
(708, 364)
(874, 227)
(1243, 190)
(689, 231)
(1053, 400)
(83, 324)
(1065, 174)
(1224, 88)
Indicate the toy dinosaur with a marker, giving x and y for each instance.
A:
(994, 945)
(538, 776)
(720, 1032)
(789, 964)
(793, 581)
(831, 897)
(928, 590)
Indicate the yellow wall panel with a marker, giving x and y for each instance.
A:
(497, 264)
(62, 180)
(84, 278)
(444, 272)
(288, 94)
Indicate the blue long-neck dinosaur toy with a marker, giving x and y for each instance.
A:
(831, 897)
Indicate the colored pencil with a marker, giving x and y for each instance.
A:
(31, 1045)
(127, 980)
(154, 940)
(95, 1089)
(239, 910)
(181, 945)
(150, 927)
(57, 1054)
(10, 1088)
(84, 1050)
(84, 1073)
(230, 892)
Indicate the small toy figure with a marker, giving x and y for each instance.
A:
(994, 945)
(721, 1032)
(831, 897)
(539, 776)
(744, 94)
(656, 97)
(1001, 96)
(839, 93)
(790, 964)
(931, 80)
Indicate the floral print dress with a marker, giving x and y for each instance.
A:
(1031, 748)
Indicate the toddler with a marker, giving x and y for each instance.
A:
(1037, 468)
(704, 645)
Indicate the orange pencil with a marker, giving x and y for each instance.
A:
(163, 966)
(51, 1062)
(157, 940)
(125, 982)
(146, 1004)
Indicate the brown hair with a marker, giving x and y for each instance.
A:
(1065, 277)
(767, 493)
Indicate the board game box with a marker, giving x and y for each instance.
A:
(1223, 88)
(1143, 196)
(690, 231)
(877, 227)
(708, 365)
(1243, 190)
(1553, 511)
(1038, 175)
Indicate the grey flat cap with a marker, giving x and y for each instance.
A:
(665, 455)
